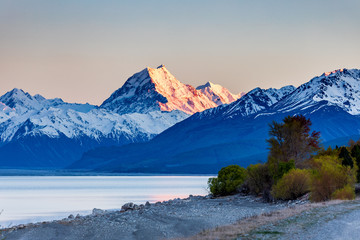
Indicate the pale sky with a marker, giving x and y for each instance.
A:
(84, 50)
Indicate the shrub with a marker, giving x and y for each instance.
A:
(278, 169)
(258, 178)
(229, 179)
(292, 185)
(345, 193)
(330, 175)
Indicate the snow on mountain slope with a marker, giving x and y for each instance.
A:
(96, 124)
(340, 87)
(254, 101)
(218, 94)
(22, 102)
(38, 116)
(157, 90)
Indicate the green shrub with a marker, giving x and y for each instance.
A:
(330, 175)
(345, 193)
(258, 178)
(292, 185)
(229, 179)
(278, 169)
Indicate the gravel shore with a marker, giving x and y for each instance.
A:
(163, 220)
(335, 221)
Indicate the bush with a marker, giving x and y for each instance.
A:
(292, 185)
(229, 179)
(258, 178)
(345, 193)
(278, 169)
(330, 175)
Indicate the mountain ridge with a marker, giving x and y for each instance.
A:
(209, 140)
(39, 128)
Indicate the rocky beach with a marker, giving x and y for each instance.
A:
(177, 218)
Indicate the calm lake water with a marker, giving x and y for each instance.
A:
(25, 199)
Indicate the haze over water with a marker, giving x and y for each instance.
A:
(25, 199)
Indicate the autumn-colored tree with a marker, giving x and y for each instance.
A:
(291, 140)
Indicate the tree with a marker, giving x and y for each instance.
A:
(229, 179)
(346, 158)
(355, 153)
(291, 140)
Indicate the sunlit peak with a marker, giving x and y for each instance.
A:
(335, 71)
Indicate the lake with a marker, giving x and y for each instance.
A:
(25, 199)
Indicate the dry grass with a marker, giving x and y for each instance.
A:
(246, 225)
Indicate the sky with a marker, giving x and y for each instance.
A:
(82, 51)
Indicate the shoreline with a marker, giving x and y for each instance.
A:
(176, 218)
(252, 227)
(8, 172)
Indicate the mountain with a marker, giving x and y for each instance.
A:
(39, 132)
(339, 88)
(254, 101)
(158, 90)
(218, 94)
(36, 132)
(236, 133)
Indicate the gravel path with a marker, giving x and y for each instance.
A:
(170, 219)
(340, 221)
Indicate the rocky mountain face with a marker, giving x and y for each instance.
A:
(236, 133)
(337, 88)
(158, 90)
(254, 101)
(218, 94)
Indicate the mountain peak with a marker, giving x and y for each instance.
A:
(340, 88)
(218, 93)
(156, 89)
(161, 66)
(207, 84)
(17, 97)
(333, 72)
(254, 101)
(18, 92)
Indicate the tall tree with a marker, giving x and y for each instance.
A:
(346, 158)
(292, 140)
(355, 153)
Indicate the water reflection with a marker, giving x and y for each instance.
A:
(38, 198)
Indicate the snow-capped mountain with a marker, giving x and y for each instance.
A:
(254, 101)
(337, 88)
(69, 129)
(22, 102)
(236, 133)
(158, 90)
(40, 132)
(218, 94)
(97, 124)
